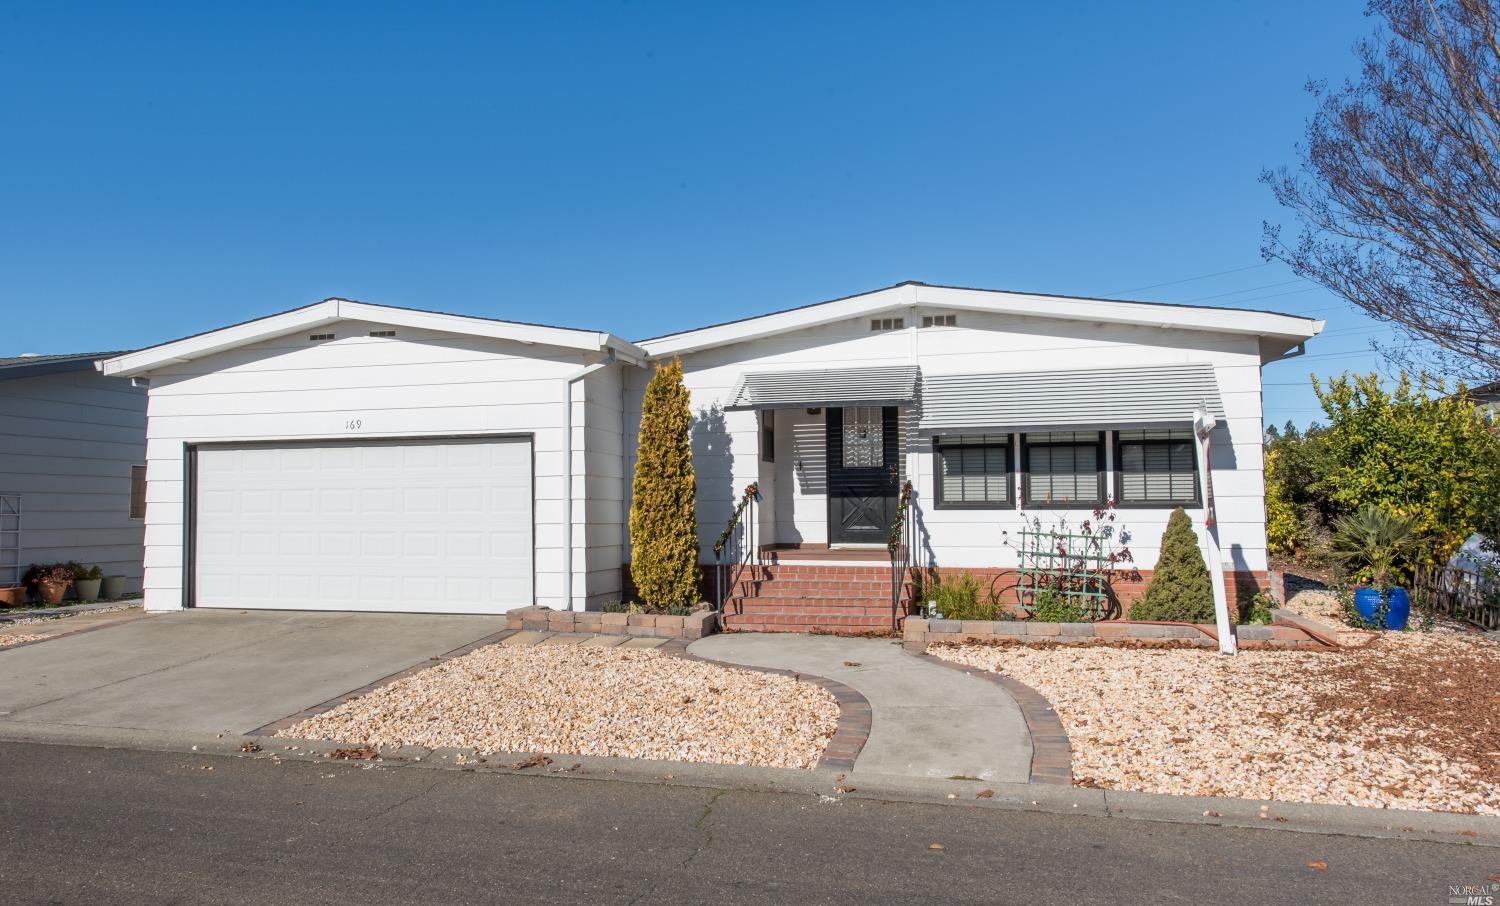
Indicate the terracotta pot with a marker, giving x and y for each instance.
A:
(87, 589)
(52, 592)
(12, 596)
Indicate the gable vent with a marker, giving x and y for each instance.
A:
(320, 336)
(382, 333)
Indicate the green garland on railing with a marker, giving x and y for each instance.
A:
(752, 490)
(900, 523)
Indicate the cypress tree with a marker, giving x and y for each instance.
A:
(1180, 588)
(663, 527)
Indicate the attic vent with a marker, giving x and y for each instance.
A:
(880, 324)
(382, 333)
(940, 320)
(320, 336)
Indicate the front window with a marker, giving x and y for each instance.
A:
(1065, 468)
(972, 470)
(864, 445)
(1157, 466)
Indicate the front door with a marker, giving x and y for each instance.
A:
(863, 474)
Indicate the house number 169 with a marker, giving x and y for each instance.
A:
(353, 424)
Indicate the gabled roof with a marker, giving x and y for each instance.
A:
(330, 311)
(1279, 332)
(25, 366)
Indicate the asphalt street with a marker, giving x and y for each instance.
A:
(92, 825)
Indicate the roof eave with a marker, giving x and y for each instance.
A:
(330, 311)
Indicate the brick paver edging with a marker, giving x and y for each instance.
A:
(276, 726)
(854, 709)
(847, 742)
(1051, 756)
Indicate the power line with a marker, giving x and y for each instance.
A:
(1238, 291)
(1236, 270)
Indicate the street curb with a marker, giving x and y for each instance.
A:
(828, 786)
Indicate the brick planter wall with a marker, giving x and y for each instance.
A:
(647, 625)
(917, 634)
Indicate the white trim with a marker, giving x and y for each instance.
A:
(1286, 330)
(330, 311)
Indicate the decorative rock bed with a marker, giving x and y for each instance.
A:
(645, 625)
(568, 699)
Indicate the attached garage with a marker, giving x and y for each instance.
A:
(355, 457)
(441, 525)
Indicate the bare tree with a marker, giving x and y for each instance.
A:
(1398, 193)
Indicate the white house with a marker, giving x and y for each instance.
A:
(72, 466)
(355, 456)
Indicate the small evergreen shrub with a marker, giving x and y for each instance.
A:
(663, 526)
(1180, 588)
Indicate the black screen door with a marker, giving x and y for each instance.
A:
(863, 473)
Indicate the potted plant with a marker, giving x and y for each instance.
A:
(49, 583)
(87, 587)
(12, 595)
(112, 588)
(1370, 544)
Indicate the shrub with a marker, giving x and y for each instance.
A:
(663, 526)
(1374, 544)
(1048, 605)
(1257, 611)
(1430, 457)
(1180, 589)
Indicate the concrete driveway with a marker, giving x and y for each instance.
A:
(212, 671)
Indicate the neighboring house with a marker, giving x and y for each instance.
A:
(72, 466)
(1487, 396)
(364, 457)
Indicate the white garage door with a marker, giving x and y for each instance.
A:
(441, 526)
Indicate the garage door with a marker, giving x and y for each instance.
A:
(442, 526)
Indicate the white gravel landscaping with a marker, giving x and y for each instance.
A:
(1410, 722)
(17, 638)
(634, 703)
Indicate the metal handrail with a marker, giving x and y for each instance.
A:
(899, 546)
(747, 553)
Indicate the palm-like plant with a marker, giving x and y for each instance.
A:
(1372, 540)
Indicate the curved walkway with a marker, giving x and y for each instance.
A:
(928, 721)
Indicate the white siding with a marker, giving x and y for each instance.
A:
(980, 343)
(599, 485)
(67, 442)
(421, 383)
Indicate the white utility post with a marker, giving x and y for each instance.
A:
(1203, 425)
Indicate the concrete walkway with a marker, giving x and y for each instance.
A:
(927, 721)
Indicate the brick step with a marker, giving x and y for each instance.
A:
(828, 624)
(782, 589)
(829, 604)
(814, 572)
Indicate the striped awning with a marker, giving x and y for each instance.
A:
(1090, 397)
(884, 386)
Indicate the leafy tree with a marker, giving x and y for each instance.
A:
(1297, 508)
(1398, 193)
(1432, 459)
(1180, 588)
(663, 525)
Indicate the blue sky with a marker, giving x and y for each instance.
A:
(644, 167)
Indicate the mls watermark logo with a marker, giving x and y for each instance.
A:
(1473, 894)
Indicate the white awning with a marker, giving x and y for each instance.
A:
(883, 386)
(1102, 397)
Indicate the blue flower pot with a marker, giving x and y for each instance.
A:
(1398, 605)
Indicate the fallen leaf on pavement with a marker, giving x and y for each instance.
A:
(844, 789)
(851, 663)
(534, 761)
(1211, 814)
(249, 747)
(935, 846)
(355, 753)
(984, 794)
(1318, 866)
